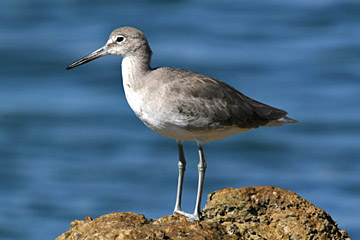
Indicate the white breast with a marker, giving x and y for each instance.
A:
(135, 99)
(139, 97)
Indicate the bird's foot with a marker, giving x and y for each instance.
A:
(190, 217)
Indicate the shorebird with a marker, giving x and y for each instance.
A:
(181, 104)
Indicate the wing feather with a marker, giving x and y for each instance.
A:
(205, 102)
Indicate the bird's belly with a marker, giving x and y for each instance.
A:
(168, 125)
(204, 135)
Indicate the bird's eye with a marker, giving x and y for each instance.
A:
(119, 39)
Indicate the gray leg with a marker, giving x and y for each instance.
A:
(202, 168)
(182, 166)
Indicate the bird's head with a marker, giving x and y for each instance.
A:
(124, 41)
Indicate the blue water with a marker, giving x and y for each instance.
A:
(70, 146)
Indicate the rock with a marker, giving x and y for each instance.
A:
(269, 213)
(256, 213)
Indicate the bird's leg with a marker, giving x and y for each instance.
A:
(202, 168)
(182, 166)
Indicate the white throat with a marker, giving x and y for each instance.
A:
(128, 65)
(132, 72)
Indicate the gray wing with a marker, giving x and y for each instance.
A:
(205, 102)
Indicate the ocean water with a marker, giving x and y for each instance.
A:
(70, 146)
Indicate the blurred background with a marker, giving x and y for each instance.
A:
(70, 146)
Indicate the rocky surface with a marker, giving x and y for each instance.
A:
(256, 213)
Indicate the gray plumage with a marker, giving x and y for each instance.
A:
(209, 103)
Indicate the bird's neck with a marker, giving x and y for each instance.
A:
(133, 69)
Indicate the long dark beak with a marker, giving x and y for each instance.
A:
(92, 56)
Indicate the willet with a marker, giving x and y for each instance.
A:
(181, 104)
